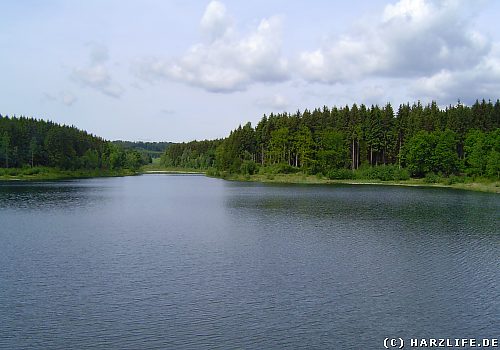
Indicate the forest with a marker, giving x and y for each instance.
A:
(338, 143)
(150, 149)
(373, 142)
(28, 142)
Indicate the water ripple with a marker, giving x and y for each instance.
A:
(173, 262)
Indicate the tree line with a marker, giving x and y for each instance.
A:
(194, 154)
(150, 149)
(29, 142)
(421, 139)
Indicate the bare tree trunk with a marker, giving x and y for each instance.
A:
(399, 153)
(353, 154)
(357, 156)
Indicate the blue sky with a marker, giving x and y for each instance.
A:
(172, 70)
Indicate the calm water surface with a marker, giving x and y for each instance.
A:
(188, 262)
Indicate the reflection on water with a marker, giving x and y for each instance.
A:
(422, 208)
(380, 260)
(193, 263)
(48, 195)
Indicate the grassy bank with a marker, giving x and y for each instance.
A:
(46, 173)
(482, 185)
(364, 177)
(156, 167)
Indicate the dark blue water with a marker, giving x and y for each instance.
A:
(188, 262)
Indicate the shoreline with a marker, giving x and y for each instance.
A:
(493, 187)
(50, 174)
(173, 172)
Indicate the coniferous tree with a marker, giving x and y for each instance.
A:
(5, 148)
(423, 138)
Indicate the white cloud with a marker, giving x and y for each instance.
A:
(99, 54)
(96, 74)
(230, 61)
(373, 94)
(215, 21)
(49, 97)
(412, 38)
(411, 49)
(276, 102)
(415, 9)
(68, 98)
(479, 81)
(65, 97)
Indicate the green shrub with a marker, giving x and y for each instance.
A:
(212, 172)
(340, 174)
(382, 172)
(31, 171)
(401, 174)
(248, 167)
(431, 178)
(453, 179)
(365, 172)
(281, 168)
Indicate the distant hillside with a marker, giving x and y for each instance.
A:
(29, 142)
(152, 149)
(419, 140)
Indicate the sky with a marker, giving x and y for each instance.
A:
(179, 70)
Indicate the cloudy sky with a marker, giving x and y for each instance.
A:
(178, 70)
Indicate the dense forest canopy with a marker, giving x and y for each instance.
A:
(194, 154)
(151, 149)
(334, 142)
(419, 138)
(29, 142)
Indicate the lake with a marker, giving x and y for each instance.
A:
(190, 262)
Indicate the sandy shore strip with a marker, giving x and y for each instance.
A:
(173, 172)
